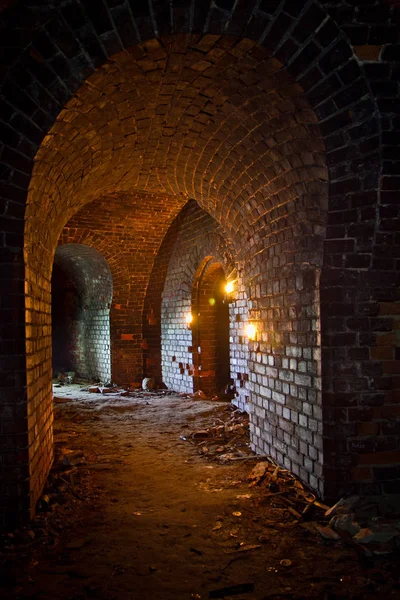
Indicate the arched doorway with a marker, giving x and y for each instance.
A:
(259, 181)
(210, 329)
(81, 299)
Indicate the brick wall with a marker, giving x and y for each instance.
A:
(128, 238)
(239, 347)
(198, 243)
(38, 367)
(205, 117)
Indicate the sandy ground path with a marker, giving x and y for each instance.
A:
(142, 516)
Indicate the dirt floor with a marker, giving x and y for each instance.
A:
(139, 508)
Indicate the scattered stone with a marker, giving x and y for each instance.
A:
(364, 536)
(327, 533)
(69, 377)
(344, 504)
(201, 434)
(227, 440)
(380, 535)
(148, 383)
(258, 473)
(108, 390)
(345, 523)
(285, 562)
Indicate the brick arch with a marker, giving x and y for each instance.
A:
(84, 262)
(62, 56)
(72, 40)
(255, 161)
(61, 39)
(198, 236)
(82, 289)
(120, 369)
(210, 328)
(128, 228)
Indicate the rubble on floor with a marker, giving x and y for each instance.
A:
(65, 377)
(271, 520)
(227, 439)
(363, 523)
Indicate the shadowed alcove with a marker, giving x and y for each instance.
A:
(81, 300)
(210, 329)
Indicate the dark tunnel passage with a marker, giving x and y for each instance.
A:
(261, 133)
(210, 329)
(81, 299)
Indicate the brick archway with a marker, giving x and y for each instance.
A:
(194, 236)
(118, 227)
(335, 89)
(81, 298)
(210, 329)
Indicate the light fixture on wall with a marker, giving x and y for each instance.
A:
(251, 331)
(229, 289)
(189, 320)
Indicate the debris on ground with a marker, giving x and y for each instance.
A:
(238, 521)
(66, 377)
(227, 438)
(148, 383)
(357, 521)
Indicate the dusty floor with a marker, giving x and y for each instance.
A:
(134, 512)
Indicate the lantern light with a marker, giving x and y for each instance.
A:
(229, 287)
(189, 320)
(251, 331)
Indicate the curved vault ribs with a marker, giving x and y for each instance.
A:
(77, 260)
(209, 125)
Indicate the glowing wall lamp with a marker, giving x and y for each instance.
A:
(189, 320)
(251, 331)
(229, 289)
(230, 286)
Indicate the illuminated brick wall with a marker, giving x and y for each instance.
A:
(279, 119)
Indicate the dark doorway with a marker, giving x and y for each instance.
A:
(211, 352)
(81, 299)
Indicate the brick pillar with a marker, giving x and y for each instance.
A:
(14, 455)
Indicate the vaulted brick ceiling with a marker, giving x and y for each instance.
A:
(88, 269)
(210, 118)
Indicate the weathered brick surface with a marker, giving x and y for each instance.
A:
(188, 355)
(245, 125)
(127, 232)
